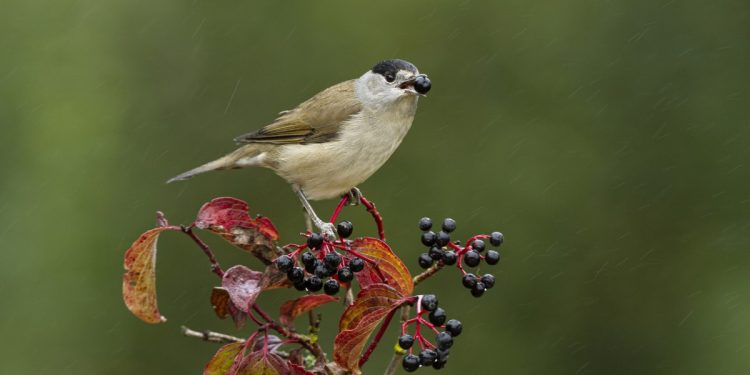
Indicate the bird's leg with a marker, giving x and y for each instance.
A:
(326, 229)
(354, 196)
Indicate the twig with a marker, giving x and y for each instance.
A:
(428, 272)
(210, 336)
(398, 355)
(378, 336)
(375, 215)
(215, 267)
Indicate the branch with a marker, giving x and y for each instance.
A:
(210, 336)
(398, 354)
(375, 215)
(428, 272)
(215, 267)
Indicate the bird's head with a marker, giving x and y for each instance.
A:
(390, 81)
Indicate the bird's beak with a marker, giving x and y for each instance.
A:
(408, 85)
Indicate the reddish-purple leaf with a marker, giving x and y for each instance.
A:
(243, 285)
(223, 360)
(261, 363)
(224, 307)
(390, 269)
(229, 218)
(290, 310)
(139, 280)
(359, 321)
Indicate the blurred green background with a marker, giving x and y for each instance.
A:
(608, 140)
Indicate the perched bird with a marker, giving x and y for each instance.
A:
(335, 140)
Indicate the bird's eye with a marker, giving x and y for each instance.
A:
(390, 77)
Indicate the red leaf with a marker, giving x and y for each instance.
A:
(139, 280)
(261, 363)
(224, 307)
(229, 213)
(229, 218)
(292, 309)
(223, 360)
(390, 269)
(359, 321)
(243, 285)
(298, 370)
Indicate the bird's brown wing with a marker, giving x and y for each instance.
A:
(316, 120)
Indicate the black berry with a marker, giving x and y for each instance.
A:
(356, 264)
(444, 340)
(488, 280)
(472, 258)
(331, 287)
(435, 253)
(284, 263)
(425, 261)
(311, 267)
(300, 285)
(345, 275)
(438, 364)
(422, 84)
(410, 363)
(332, 260)
(321, 270)
(296, 275)
(478, 245)
(437, 317)
(492, 257)
(345, 229)
(406, 341)
(442, 238)
(449, 225)
(314, 283)
(429, 302)
(454, 327)
(449, 258)
(496, 238)
(314, 241)
(427, 357)
(428, 238)
(478, 290)
(425, 224)
(469, 280)
(308, 259)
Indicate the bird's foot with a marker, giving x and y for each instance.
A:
(354, 196)
(328, 230)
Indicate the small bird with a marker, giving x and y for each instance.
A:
(335, 140)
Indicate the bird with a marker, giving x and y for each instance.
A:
(335, 140)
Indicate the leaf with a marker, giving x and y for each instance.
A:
(229, 218)
(224, 307)
(261, 363)
(360, 320)
(390, 269)
(243, 285)
(290, 310)
(223, 360)
(139, 280)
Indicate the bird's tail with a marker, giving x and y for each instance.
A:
(243, 157)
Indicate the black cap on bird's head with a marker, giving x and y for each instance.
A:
(390, 68)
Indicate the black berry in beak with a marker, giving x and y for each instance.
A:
(422, 84)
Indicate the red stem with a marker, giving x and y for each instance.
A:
(377, 338)
(375, 215)
(342, 203)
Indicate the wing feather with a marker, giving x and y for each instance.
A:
(316, 120)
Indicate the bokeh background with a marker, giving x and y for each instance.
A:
(609, 141)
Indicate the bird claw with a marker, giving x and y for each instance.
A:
(328, 230)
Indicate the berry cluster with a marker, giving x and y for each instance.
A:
(435, 355)
(321, 262)
(442, 249)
